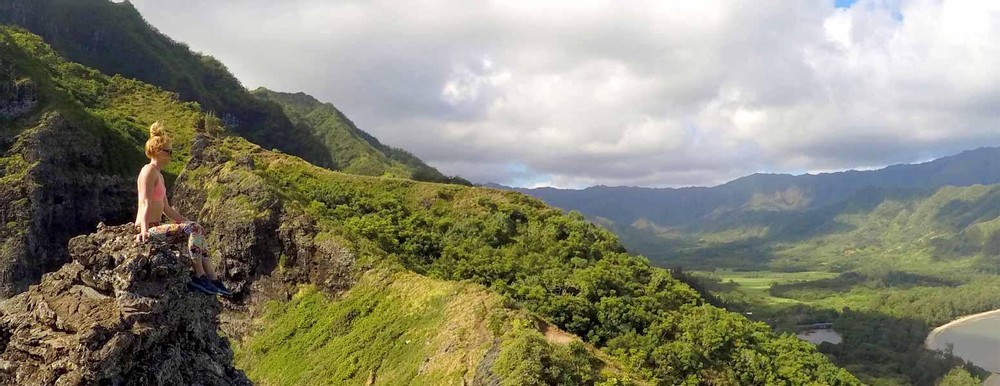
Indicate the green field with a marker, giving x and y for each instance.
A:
(756, 284)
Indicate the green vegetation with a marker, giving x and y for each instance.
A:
(881, 344)
(116, 110)
(396, 327)
(572, 273)
(757, 284)
(959, 377)
(905, 260)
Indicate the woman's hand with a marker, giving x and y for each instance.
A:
(142, 236)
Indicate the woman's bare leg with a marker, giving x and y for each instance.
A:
(199, 270)
(199, 252)
(206, 267)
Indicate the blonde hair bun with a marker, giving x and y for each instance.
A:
(156, 129)
(158, 139)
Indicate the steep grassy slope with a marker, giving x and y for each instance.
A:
(114, 39)
(398, 328)
(71, 141)
(351, 149)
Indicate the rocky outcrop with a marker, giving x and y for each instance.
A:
(60, 186)
(119, 313)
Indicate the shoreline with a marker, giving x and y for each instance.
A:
(994, 378)
(965, 319)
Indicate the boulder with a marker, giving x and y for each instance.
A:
(119, 313)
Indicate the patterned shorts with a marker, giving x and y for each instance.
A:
(176, 233)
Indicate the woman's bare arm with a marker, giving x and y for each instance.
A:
(171, 212)
(145, 183)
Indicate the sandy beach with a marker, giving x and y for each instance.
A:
(993, 380)
(964, 319)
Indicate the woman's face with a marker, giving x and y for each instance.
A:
(164, 155)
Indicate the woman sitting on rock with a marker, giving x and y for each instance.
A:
(153, 205)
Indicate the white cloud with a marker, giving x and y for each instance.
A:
(650, 93)
(464, 84)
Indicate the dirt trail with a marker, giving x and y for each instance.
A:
(554, 335)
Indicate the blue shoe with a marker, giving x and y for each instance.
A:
(198, 284)
(222, 290)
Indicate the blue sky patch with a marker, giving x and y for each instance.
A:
(843, 3)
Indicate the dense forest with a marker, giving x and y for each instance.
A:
(895, 260)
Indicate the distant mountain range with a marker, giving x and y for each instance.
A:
(680, 207)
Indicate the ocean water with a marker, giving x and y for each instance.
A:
(977, 341)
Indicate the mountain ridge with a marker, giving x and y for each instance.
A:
(683, 206)
(115, 39)
(352, 150)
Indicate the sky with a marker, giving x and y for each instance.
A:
(652, 93)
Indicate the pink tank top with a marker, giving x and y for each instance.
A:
(159, 191)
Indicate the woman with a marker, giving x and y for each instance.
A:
(153, 205)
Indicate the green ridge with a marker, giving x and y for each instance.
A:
(114, 38)
(351, 149)
(570, 272)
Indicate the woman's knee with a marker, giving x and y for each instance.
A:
(199, 258)
(194, 227)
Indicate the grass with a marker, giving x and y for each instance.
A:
(114, 109)
(395, 327)
(757, 284)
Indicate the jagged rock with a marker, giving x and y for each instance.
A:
(119, 313)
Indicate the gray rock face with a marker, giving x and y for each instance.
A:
(65, 190)
(18, 95)
(119, 313)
